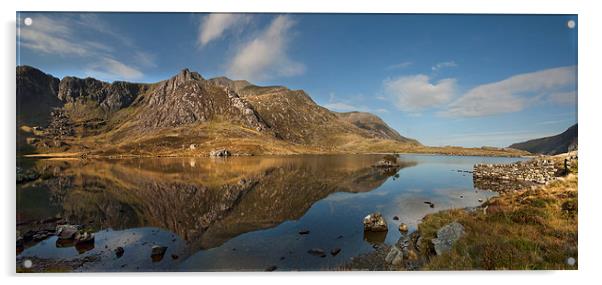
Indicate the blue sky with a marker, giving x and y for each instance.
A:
(468, 80)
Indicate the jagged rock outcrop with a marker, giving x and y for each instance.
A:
(188, 98)
(36, 96)
(109, 97)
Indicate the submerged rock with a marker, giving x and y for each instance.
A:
(335, 251)
(317, 252)
(157, 252)
(446, 236)
(375, 223)
(119, 251)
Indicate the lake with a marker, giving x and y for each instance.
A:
(236, 213)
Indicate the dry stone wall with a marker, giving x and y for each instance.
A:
(504, 177)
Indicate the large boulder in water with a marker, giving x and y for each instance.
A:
(375, 223)
(219, 152)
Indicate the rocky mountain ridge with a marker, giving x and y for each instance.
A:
(185, 112)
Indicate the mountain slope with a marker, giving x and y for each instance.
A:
(561, 143)
(188, 114)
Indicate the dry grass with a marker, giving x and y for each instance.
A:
(529, 229)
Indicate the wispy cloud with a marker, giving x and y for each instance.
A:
(108, 67)
(62, 35)
(213, 26)
(265, 56)
(415, 93)
(400, 65)
(564, 98)
(442, 65)
(513, 94)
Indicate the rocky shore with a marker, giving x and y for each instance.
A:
(537, 197)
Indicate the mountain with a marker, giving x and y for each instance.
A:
(373, 124)
(186, 114)
(564, 142)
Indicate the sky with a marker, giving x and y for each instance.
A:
(465, 80)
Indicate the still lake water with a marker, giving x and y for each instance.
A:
(238, 213)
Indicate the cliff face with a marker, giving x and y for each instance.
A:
(186, 109)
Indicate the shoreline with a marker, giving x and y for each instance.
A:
(81, 155)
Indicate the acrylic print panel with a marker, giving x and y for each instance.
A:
(262, 142)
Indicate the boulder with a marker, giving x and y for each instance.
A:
(446, 236)
(335, 251)
(317, 252)
(375, 223)
(387, 161)
(157, 252)
(66, 232)
(219, 152)
(395, 256)
(119, 251)
(403, 228)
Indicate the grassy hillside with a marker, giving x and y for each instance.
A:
(561, 143)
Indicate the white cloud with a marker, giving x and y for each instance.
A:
(63, 35)
(400, 65)
(564, 98)
(214, 25)
(341, 107)
(445, 64)
(110, 67)
(415, 93)
(512, 94)
(265, 56)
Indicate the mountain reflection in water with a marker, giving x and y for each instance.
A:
(239, 213)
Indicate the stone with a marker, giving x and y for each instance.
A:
(395, 256)
(335, 251)
(26, 175)
(317, 252)
(446, 236)
(271, 268)
(375, 223)
(66, 232)
(84, 237)
(412, 255)
(192, 147)
(157, 252)
(403, 228)
(119, 251)
(220, 152)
